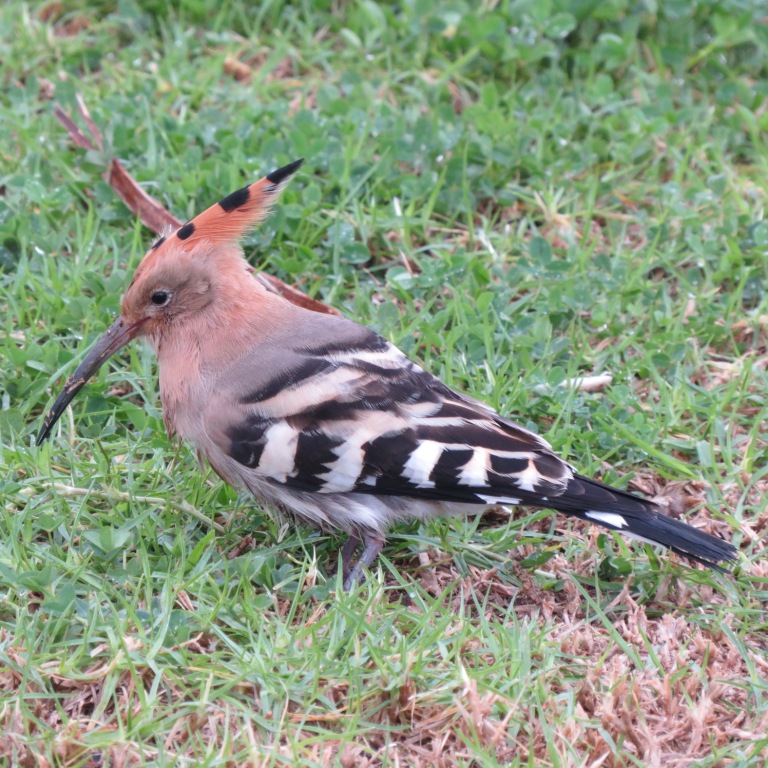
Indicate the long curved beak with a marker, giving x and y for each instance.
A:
(115, 337)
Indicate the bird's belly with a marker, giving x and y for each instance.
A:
(349, 512)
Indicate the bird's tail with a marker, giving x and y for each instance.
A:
(641, 519)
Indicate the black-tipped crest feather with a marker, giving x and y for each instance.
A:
(280, 175)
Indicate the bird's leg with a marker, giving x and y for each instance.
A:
(372, 545)
(348, 552)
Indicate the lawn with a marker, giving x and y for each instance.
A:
(517, 194)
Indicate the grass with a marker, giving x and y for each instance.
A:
(515, 195)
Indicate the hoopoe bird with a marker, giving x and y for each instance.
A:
(323, 418)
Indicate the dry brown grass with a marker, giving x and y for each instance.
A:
(678, 693)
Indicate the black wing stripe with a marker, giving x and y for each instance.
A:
(368, 342)
(503, 465)
(448, 467)
(279, 383)
(453, 409)
(479, 435)
(247, 441)
(315, 451)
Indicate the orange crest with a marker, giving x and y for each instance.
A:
(225, 222)
(228, 220)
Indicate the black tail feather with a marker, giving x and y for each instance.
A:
(633, 516)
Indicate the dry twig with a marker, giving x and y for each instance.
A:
(152, 214)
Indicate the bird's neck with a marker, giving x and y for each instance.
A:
(192, 354)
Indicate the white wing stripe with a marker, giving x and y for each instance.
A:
(475, 472)
(528, 478)
(421, 413)
(278, 457)
(609, 518)
(344, 471)
(390, 358)
(309, 393)
(498, 499)
(421, 462)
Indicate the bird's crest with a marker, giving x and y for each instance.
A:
(225, 222)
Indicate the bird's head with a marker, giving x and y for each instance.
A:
(178, 278)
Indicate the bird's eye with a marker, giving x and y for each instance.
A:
(160, 297)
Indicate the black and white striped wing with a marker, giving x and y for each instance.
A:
(363, 418)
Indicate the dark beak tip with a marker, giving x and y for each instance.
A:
(45, 430)
(114, 338)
